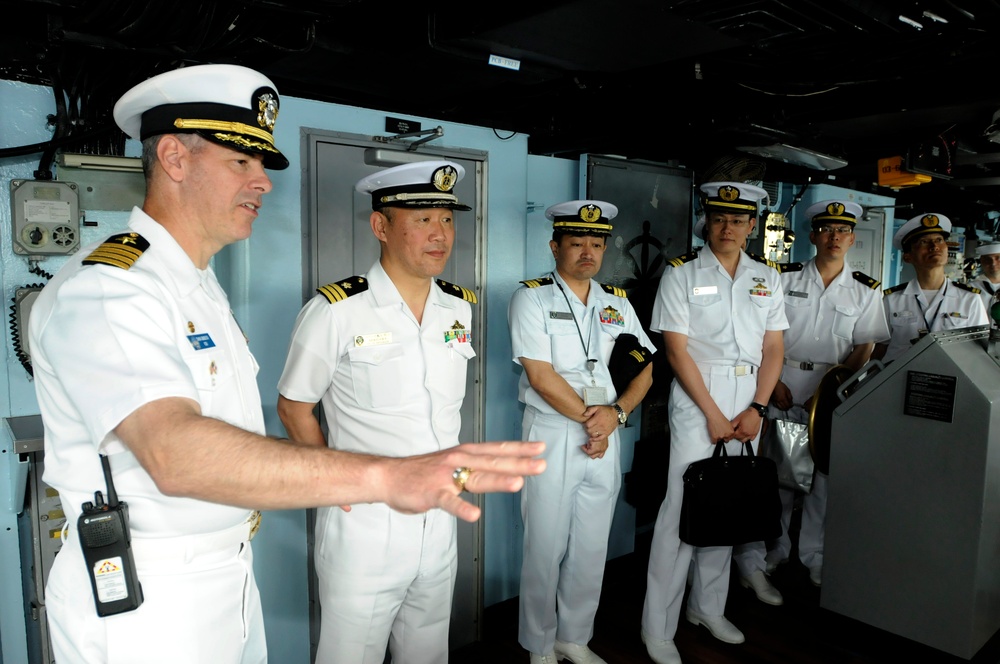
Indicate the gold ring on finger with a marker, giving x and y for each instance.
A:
(461, 476)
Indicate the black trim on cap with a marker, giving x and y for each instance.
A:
(245, 134)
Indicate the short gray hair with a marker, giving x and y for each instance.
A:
(149, 145)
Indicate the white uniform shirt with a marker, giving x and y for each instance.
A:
(826, 323)
(388, 385)
(105, 341)
(542, 328)
(989, 292)
(908, 312)
(724, 318)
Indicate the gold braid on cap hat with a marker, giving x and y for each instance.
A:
(223, 126)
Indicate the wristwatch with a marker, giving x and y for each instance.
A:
(622, 415)
(761, 410)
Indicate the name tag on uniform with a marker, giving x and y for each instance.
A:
(376, 339)
(201, 341)
(561, 315)
(795, 293)
(705, 290)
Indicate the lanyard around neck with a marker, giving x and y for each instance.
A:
(936, 309)
(591, 363)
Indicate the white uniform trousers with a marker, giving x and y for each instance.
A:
(567, 512)
(670, 558)
(199, 610)
(385, 578)
(812, 528)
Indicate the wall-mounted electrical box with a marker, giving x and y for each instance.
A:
(46, 217)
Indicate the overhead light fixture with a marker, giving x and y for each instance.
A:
(791, 154)
(95, 162)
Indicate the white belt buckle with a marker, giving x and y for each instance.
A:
(742, 370)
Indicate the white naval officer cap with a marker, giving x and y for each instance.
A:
(922, 224)
(421, 184)
(230, 105)
(988, 248)
(733, 197)
(588, 216)
(834, 212)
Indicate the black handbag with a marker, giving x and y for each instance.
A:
(730, 500)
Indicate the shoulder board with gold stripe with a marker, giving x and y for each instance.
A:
(895, 289)
(341, 290)
(457, 291)
(789, 267)
(761, 259)
(967, 287)
(614, 290)
(121, 250)
(540, 281)
(863, 278)
(685, 258)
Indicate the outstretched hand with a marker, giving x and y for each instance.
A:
(420, 483)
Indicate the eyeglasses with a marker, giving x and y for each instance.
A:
(838, 230)
(719, 221)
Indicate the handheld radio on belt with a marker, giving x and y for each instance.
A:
(107, 548)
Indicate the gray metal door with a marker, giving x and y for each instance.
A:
(338, 243)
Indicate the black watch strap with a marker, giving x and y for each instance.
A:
(761, 410)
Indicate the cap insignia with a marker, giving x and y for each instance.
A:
(445, 178)
(930, 221)
(267, 110)
(729, 193)
(836, 209)
(590, 213)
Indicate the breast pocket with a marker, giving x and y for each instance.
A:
(955, 320)
(212, 373)
(566, 347)
(844, 321)
(761, 306)
(708, 314)
(451, 369)
(377, 372)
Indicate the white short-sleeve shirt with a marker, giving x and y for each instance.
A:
(107, 340)
(723, 317)
(542, 327)
(826, 322)
(909, 313)
(388, 385)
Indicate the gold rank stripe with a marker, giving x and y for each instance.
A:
(457, 291)
(468, 295)
(637, 355)
(614, 290)
(333, 292)
(538, 281)
(115, 255)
